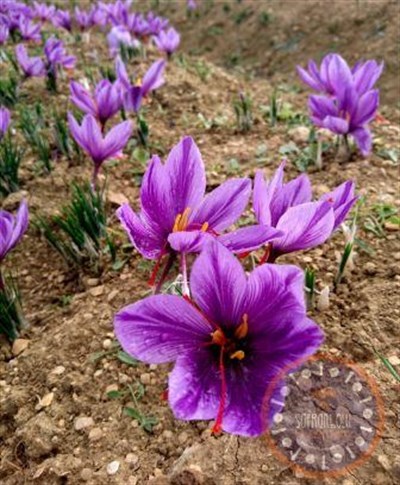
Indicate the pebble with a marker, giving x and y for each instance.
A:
(111, 296)
(60, 369)
(394, 360)
(132, 459)
(19, 346)
(95, 434)
(370, 268)
(113, 467)
(92, 282)
(86, 474)
(107, 343)
(97, 290)
(83, 422)
(45, 401)
(300, 134)
(145, 378)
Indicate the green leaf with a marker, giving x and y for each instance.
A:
(115, 394)
(126, 359)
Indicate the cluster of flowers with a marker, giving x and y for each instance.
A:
(347, 102)
(229, 334)
(127, 28)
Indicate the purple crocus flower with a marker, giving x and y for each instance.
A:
(62, 19)
(12, 228)
(347, 114)
(56, 56)
(328, 78)
(168, 41)
(156, 23)
(29, 31)
(191, 5)
(84, 19)
(103, 104)
(176, 216)
(228, 343)
(31, 66)
(4, 33)
(288, 208)
(4, 121)
(120, 36)
(98, 146)
(133, 94)
(43, 12)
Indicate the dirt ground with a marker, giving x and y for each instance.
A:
(58, 423)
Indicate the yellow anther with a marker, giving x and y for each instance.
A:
(181, 221)
(204, 227)
(239, 354)
(243, 328)
(218, 337)
(139, 81)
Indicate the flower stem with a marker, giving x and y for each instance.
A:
(185, 285)
(166, 270)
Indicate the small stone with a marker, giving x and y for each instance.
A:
(183, 437)
(145, 378)
(131, 459)
(113, 467)
(264, 468)
(97, 290)
(107, 344)
(95, 434)
(111, 296)
(323, 299)
(19, 345)
(370, 268)
(83, 422)
(57, 371)
(384, 461)
(300, 134)
(92, 282)
(86, 474)
(45, 402)
(111, 388)
(394, 360)
(391, 226)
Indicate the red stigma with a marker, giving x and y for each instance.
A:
(217, 428)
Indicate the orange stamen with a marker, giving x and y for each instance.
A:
(204, 227)
(181, 221)
(239, 354)
(242, 330)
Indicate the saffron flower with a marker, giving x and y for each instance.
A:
(103, 104)
(228, 343)
(4, 33)
(327, 79)
(156, 23)
(347, 114)
(62, 19)
(98, 146)
(118, 37)
(168, 41)
(43, 11)
(348, 103)
(177, 217)
(12, 228)
(29, 31)
(4, 121)
(288, 208)
(56, 56)
(30, 66)
(84, 19)
(133, 94)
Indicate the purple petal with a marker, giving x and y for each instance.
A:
(342, 200)
(366, 76)
(366, 108)
(249, 238)
(322, 106)
(218, 284)
(187, 178)
(161, 328)
(153, 79)
(339, 74)
(336, 125)
(308, 79)
(117, 138)
(363, 139)
(264, 193)
(189, 241)
(305, 226)
(144, 239)
(82, 99)
(224, 205)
